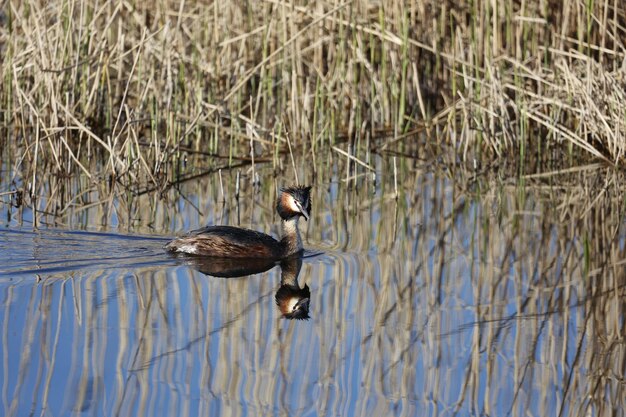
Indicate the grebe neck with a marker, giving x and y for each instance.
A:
(289, 271)
(290, 236)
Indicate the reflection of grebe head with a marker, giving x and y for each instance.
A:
(294, 201)
(293, 301)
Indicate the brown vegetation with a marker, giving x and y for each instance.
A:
(137, 83)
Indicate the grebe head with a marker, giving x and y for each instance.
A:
(293, 301)
(293, 202)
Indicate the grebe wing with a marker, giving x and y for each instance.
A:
(226, 241)
(234, 233)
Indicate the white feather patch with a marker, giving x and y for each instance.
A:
(291, 304)
(291, 203)
(187, 249)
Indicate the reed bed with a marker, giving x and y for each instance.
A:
(128, 92)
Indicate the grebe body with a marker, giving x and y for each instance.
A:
(235, 242)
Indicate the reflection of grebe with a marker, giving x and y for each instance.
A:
(235, 242)
(292, 300)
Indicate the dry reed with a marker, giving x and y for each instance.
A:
(130, 93)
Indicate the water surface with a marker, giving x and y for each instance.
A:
(444, 301)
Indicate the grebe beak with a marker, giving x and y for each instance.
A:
(302, 210)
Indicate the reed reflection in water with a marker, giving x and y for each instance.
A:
(446, 302)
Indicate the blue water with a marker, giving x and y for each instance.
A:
(416, 309)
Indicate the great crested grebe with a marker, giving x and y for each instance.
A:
(235, 242)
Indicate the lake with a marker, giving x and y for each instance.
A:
(449, 296)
